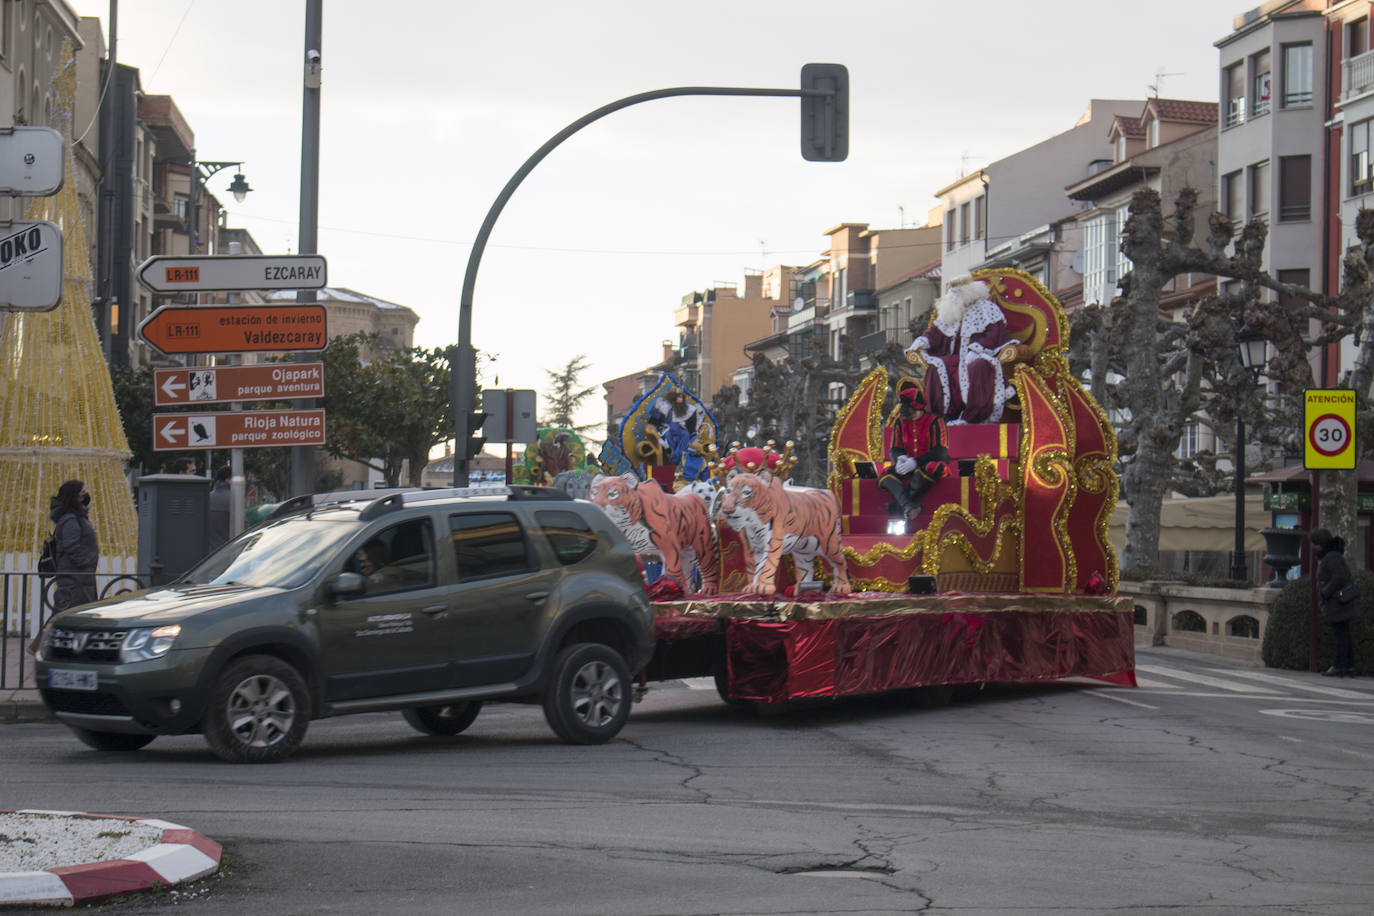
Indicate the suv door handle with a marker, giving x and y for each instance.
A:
(536, 596)
(435, 609)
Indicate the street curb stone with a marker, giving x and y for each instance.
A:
(182, 855)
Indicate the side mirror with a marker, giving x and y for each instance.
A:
(345, 585)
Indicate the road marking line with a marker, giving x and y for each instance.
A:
(698, 683)
(1112, 696)
(1294, 685)
(1146, 682)
(1206, 681)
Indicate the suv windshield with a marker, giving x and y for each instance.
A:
(280, 555)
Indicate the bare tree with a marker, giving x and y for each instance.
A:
(1177, 371)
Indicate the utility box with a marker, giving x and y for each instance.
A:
(172, 513)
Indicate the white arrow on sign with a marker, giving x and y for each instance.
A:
(171, 386)
(172, 432)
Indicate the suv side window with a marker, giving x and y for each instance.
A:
(487, 544)
(569, 534)
(398, 557)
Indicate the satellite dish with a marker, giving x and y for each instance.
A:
(798, 304)
(1078, 263)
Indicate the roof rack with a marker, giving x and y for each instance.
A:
(308, 501)
(401, 498)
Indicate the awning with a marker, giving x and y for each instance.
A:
(1199, 523)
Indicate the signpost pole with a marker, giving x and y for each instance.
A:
(303, 457)
(1312, 576)
(510, 435)
(236, 489)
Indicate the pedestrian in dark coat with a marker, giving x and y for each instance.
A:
(1333, 576)
(77, 548)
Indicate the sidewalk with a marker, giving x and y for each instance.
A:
(19, 705)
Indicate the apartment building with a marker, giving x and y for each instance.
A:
(714, 325)
(1274, 108)
(1005, 215)
(1350, 171)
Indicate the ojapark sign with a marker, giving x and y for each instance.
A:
(30, 265)
(223, 384)
(234, 429)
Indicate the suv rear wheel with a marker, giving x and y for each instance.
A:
(443, 720)
(258, 711)
(589, 694)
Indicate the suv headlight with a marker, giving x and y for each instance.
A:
(148, 642)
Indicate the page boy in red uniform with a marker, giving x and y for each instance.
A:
(916, 444)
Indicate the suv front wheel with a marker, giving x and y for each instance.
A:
(258, 711)
(588, 699)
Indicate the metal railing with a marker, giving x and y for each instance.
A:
(26, 603)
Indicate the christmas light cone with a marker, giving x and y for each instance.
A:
(58, 419)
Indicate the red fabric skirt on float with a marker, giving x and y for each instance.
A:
(785, 650)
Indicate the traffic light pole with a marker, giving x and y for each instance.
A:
(829, 86)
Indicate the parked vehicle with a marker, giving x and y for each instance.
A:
(425, 602)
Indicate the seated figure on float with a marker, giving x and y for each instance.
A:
(1031, 487)
(666, 435)
(964, 379)
(915, 444)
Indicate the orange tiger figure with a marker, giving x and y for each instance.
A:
(675, 526)
(775, 520)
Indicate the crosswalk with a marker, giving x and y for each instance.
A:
(1158, 679)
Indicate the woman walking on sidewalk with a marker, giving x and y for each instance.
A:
(77, 548)
(1337, 591)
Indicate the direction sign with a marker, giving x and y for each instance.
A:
(30, 265)
(238, 383)
(217, 272)
(32, 161)
(235, 328)
(175, 432)
(1329, 415)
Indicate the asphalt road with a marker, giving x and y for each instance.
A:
(1209, 789)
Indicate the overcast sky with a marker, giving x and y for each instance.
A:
(429, 106)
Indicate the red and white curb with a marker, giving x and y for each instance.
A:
(182, 855)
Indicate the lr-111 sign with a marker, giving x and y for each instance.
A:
(235, 329)
(237, 429)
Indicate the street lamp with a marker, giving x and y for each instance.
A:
(1250, 350)
(239, 187)
(203, 172)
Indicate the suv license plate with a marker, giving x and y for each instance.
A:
(66, 679)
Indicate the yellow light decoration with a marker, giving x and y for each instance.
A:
(58, 419)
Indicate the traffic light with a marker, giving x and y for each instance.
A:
(825, 112)
(474, 443)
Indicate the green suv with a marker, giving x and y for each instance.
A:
(428, 602)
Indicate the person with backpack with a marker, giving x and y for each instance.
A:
(1337, 590)
(77, 548)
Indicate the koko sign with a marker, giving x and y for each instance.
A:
(30, 265)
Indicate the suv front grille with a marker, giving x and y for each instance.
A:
(92, 645)
(91, 704)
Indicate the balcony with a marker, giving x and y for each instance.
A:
(872, 343)
(862, 299)
(1357, 75)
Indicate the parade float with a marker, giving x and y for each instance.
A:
(1002, 573)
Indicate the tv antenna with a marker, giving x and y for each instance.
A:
(1159, 81)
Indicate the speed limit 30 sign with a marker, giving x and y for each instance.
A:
(1329, 421)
